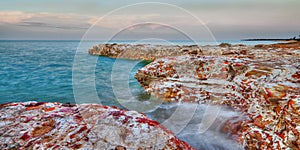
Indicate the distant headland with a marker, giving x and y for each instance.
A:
(279, 39)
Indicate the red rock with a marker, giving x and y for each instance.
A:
(257, 73)
(147, 121)
(143, 51)
(261, 81)
(258, 122)
(264, 91)
(81, 127)
(25, 136)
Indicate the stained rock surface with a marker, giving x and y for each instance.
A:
(264, 84)
(293, 45)
(260, 81)
(39, 125)
(142, 51)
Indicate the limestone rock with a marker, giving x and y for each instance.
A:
(39, 125)
(143, 51)
(265, 90)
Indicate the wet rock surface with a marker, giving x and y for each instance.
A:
(262, 83)
(38, 125)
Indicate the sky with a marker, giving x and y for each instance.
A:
(165, 19)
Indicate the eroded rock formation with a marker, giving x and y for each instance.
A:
(260, 81)
(38, 125)
(264, 84)
(266, 91)
(142, 51)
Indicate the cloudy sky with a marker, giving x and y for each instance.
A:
(99, 19)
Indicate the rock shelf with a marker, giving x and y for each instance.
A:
(262, 82)
(267, 92)
(39, 125)
(142, 51)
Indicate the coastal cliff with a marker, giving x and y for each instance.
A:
(40, 125)
(260, 81)
(142, 51)
(266, 91)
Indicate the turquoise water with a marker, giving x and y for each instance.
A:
(42, 71)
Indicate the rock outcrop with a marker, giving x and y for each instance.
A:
(142, 51)
(290, 45)
(39, 125)
(264, 84)
(287, 51)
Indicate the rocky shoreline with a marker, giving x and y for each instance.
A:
(261, 81)
(267, 93)
(41, 125)
(142, 51)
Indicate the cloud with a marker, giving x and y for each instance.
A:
(146, 26)
(41, 24)
(231, 19)
(14, 16)
(115, 21)
(46, 20)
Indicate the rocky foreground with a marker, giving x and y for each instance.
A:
(262, 81)
(37, 125)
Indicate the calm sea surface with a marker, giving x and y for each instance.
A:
(42, 71)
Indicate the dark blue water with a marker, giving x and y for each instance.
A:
(42, 71)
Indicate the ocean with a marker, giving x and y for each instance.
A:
(42, 71)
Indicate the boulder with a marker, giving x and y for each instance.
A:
(40, 125)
